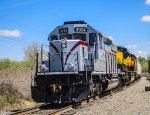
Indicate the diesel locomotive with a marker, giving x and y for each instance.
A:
(82, 62)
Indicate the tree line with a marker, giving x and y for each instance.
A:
(144, 63)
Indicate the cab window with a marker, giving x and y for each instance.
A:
(68, 36)
(54, 37)
(80, 36)
(92, 39)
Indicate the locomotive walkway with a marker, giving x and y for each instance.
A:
(133, 100)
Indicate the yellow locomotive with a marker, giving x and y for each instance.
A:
(126, 63)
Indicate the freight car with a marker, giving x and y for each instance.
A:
(82, 62)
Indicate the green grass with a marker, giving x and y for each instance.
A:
(7, 64)
(8, 98)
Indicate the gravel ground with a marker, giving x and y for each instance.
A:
(133, 100)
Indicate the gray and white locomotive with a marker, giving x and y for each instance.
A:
(82, 63)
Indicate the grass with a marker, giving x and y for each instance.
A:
(11, 100)
(7, 64)
(7, 98)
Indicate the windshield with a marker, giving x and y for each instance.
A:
(68, 36)
(74, 36)
(80, 36)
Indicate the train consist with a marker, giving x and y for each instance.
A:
(82, 62)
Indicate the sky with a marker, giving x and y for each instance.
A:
(22, 22)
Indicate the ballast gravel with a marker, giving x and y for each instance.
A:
(132, 100)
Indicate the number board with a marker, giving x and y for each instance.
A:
(63, 30)
(80, 29)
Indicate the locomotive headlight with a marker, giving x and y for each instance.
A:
(64, 43)
(69, 67)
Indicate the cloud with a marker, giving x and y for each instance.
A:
(111, 38)
(145, 18)
(147, 2)
(131, 47)
(143, 53)
(10, 33)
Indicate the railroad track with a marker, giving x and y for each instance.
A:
(48, 109)
(51, 109)
(29, 110)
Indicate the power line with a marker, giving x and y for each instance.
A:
(18, 41)
(19, 24)
(15, 40)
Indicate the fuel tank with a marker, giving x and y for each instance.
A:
(109, 84)
(112, 83)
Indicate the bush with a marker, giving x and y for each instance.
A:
(8, 94)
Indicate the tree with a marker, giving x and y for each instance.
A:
(144, 63)
(31, 51)
(148, 58)
(141, 59)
